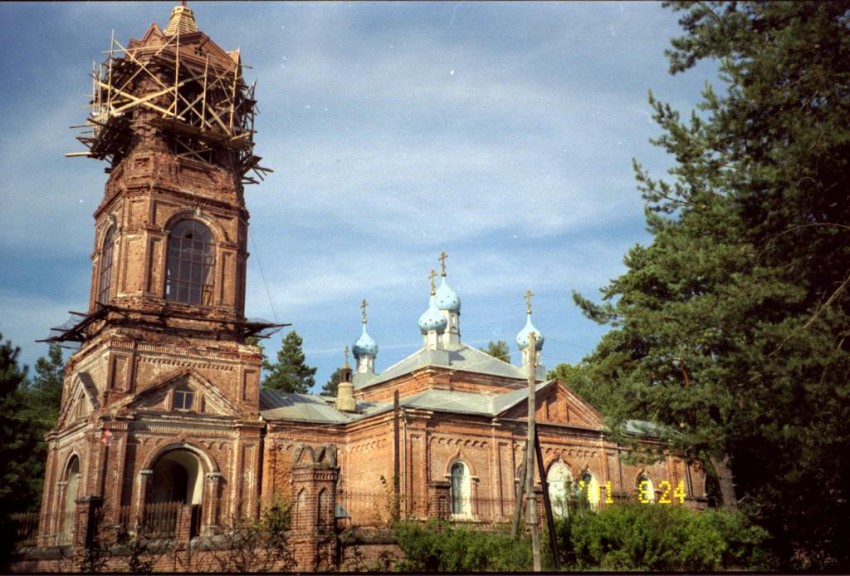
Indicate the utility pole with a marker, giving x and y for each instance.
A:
(520, 490)
(531, 519)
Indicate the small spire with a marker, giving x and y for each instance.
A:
(363, 306)
(182, 21)
(528, 295)
(431, 277)
(442, 259)
(346, 358)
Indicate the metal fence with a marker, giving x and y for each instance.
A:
(376, 509)
(157, 520)
(26, 528)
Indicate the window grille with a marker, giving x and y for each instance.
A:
(191, 263)
(106, 260)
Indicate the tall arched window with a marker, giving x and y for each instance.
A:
(106, 260)
(72, 489)
(191, 262)
(560, 480)
(459, 487)
(324, 513)
(645, 489)
(589, 490)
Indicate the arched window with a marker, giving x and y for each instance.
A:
(459, 488)
(559, 480)
(645, 489)
(106, 260)
(323, 514)
(191, 263)
(588, 490)
(72, 489)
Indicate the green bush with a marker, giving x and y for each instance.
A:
(660, 538)
(438, 546)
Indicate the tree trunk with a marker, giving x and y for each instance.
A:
(723, 468)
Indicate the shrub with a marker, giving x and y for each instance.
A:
(439, 546)
(660, 538)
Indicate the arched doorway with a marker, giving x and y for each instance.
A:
(177, 480)
(560, 481)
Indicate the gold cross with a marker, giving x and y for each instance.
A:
(363, 308)
(431, 276)
(528, 295)
(442, 259)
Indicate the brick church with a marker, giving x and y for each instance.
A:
(162, 403)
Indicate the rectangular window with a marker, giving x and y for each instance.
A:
(183, 399)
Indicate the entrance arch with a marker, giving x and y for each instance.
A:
(176, 481)
(178, 477)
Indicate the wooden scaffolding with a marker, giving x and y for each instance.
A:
(195, 93)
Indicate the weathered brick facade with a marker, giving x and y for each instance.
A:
(162, 402)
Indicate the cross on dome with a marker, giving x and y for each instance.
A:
(442, 260)
(431, 277)
(365, 347)
(524, 336)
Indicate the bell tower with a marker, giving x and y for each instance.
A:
(173, 117)
(164, 380)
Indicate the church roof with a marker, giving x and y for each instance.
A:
(458, 357)
(276, 405)
(470, 402)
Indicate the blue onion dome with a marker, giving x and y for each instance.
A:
(365, 345)
(525, 335)
(447, 299)
(432, 319)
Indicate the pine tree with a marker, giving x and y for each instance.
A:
(498, 349)
(16, 443)
(41, 398)
(331, 386)
(730, 327)
(290, 373)
(45, 390)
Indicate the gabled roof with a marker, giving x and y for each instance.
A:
(83, 382)
(471, 402)
(277, 405)
(459, 357)
(152, 396)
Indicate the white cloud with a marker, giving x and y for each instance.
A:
(500, 132)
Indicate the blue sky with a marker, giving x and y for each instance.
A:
(501, 133)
